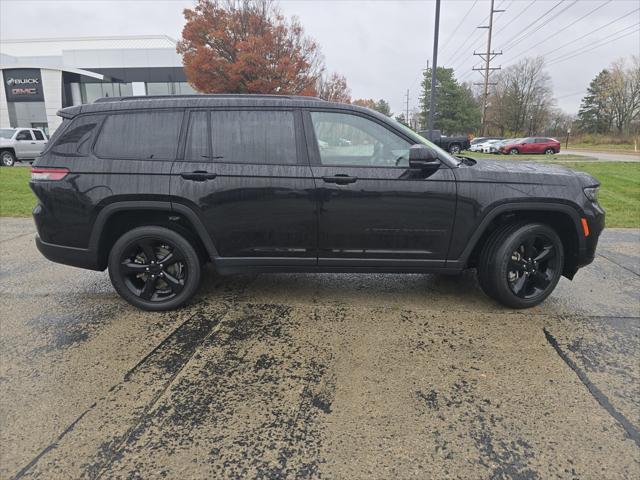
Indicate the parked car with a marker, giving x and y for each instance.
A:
(452, 145)
(151, 188)
(491, 146)
(23, 144)
(545, 145)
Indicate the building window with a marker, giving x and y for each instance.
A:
(92, 91)
(170, 88)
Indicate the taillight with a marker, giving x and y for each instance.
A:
(48, 173)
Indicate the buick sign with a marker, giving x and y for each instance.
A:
(23, 85)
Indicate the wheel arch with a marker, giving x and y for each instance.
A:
(564, 219)
(117, 218)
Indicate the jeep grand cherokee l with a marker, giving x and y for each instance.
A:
(151, 188)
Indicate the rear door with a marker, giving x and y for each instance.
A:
(374, 210)
(25, 145)
(40, 139)
(245, 173)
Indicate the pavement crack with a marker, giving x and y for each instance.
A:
(621, 266)
(52, 445)
(630, 429)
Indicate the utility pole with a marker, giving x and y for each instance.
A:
(434, 67)
(407, 117)
(487, 69)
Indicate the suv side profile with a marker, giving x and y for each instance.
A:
(151, 188)
(23, 144)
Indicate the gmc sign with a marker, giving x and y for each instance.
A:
(23, 85)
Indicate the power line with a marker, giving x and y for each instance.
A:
(446, 44)
(562, 29)
(591, 32)
(515, 18)
(543, 24)
(591, 47)
(508, 42)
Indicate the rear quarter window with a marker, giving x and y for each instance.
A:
(77, 138)
(140, 135)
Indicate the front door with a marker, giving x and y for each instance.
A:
(25, 145)
(247, 176)
(374, 210)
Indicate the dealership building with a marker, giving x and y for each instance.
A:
(41, 76)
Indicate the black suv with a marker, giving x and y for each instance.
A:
(153, 187)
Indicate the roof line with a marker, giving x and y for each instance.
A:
(80, 39)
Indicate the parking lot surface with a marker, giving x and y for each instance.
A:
(318, 376)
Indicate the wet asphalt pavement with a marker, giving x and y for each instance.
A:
(318, 376)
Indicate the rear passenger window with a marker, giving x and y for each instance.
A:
(38, 134)
(260, 137)
(140, 136)
(76, 140)
(197, 139)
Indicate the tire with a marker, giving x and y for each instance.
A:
(549, 151)
(514, 151)
(142, 253)
(520, 264)
(454, 149)
(7, 159)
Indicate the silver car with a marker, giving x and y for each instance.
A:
(20, 144)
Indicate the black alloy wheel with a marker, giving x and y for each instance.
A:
(154, 268)
(520, 264)
(532, 267)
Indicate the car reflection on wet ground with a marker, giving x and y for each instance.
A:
(335, 376)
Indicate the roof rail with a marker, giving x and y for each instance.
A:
(207, 95)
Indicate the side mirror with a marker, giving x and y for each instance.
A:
(422, 157)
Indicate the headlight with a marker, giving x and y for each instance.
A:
(592, 193)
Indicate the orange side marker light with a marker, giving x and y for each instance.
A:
(585, 227)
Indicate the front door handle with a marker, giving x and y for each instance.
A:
(340, 179)
(198, 176)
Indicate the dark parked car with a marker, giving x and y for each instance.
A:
(452, 145)
(151, 188)
(545, 145)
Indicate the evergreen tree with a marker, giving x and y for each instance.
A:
(456, 110)
(595, 115)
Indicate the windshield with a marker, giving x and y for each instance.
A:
(441, 153)
(6, 132)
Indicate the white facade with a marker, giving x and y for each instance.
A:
(40, 76)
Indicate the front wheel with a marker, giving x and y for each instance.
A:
(521, 264)
(154, 268)
(514, 151)
(7, 159)
(549, 151)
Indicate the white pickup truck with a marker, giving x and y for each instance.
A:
(20, 144)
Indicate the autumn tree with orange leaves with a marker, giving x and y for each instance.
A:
(247, 46)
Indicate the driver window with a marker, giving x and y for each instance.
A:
(345, 139)
(24, 135)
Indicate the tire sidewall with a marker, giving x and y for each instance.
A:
(189, 253)
(501, 287)
(549, 151)
(455, 148)
(514, 151)
(7, 159)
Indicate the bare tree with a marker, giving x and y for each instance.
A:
(624, 93)
(521, 100)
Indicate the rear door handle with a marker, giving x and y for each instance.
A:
(340, 179)
(198, 176)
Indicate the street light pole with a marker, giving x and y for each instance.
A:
(434, 67)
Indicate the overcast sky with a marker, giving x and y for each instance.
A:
(381, 46)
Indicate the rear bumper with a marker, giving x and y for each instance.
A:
(75, 257)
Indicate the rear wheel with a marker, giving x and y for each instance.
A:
(454, 149)
(154, 268)
(7, 159)
(521, 264)
(514, 151)
(549, 151)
